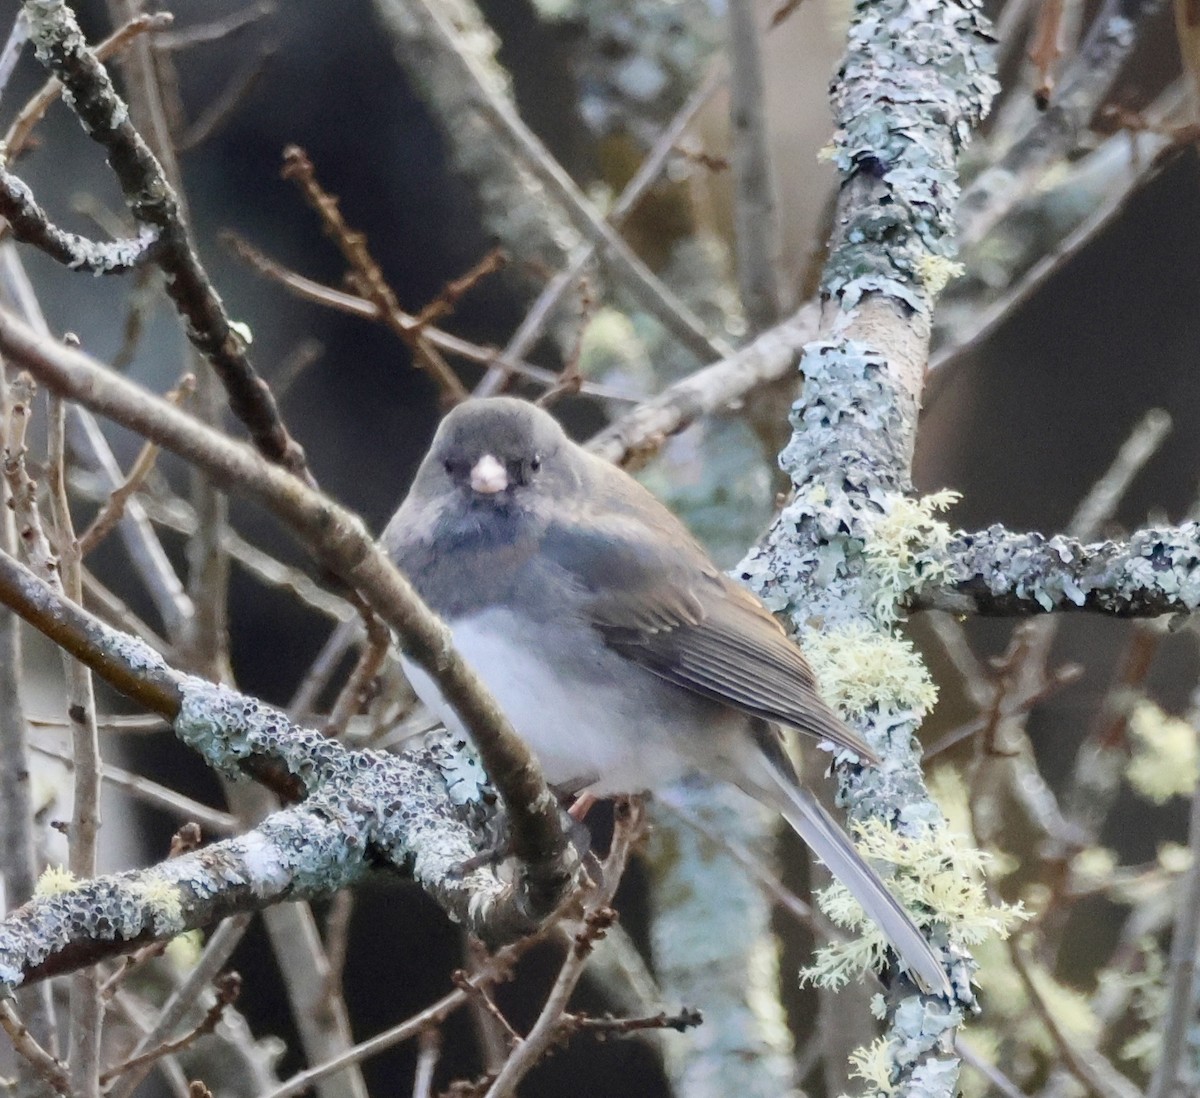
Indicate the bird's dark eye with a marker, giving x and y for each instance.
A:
(448, 465)
(535, 462)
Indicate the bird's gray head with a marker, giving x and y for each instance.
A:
(497, 452)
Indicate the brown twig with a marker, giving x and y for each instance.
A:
(202, 34)
(218, 112)
(228, 987)
(447, 301)
(353, 245)
(331, 298)
(598, 915)
(683, 1020)
(47, 1067)
(349, 701)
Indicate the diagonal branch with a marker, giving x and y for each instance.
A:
(61, 47)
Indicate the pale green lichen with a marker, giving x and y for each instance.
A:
(874, 1064)
(54, 880)
(183, 951)
(936, 272)
(1166, 756)
(1093, 867)
(1145, 985)
(858, 668)
(937, 876)
(162, 897)
(905, 549)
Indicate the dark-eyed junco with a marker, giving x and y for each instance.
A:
(619, 651)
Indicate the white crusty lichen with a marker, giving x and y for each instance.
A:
(905, 549)
(860, 669)
(1166, 756)
(937, 876)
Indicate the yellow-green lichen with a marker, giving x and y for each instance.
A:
(905, 549)
(161, 896)
(183, 951)
(939, 879)
(936, 271)
(874, 1065)
(1166, 757)
(55, 879)
(859, 668)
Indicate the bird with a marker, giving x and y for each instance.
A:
(621, 654)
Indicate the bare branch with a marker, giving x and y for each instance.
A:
(639, 434)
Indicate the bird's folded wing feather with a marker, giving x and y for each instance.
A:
(678, 616)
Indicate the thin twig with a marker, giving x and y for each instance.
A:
(1089, 1066)
(428, 1050)
(331, 298)
(155, 794)
(86, 1011)
(635, 276)
(202, 34)
(643, 179)
(155, 204)
(353, 245)
(217, 951)
(757, 238)
(48, 1067)
(597, 916)
(1181, 979)
(113, 509)
(227, 987)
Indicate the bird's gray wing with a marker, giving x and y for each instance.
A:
(655, 597)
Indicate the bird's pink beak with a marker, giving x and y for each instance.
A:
(488, 476)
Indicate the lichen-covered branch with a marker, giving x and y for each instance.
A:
(915, 79)
(32, 225)
(998, 572)
(360, 808)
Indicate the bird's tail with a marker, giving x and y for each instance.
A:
(832, 845)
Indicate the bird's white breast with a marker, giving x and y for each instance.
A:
(592, 718)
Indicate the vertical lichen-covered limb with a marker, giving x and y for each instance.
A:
(916, 78)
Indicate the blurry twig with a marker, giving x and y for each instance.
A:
(757, 238)
(643, 179)
(522, 144)
(110, 513)
(48, 1067)
(201, 34)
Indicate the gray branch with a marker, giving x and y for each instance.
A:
(997, 572)
(31, 224)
